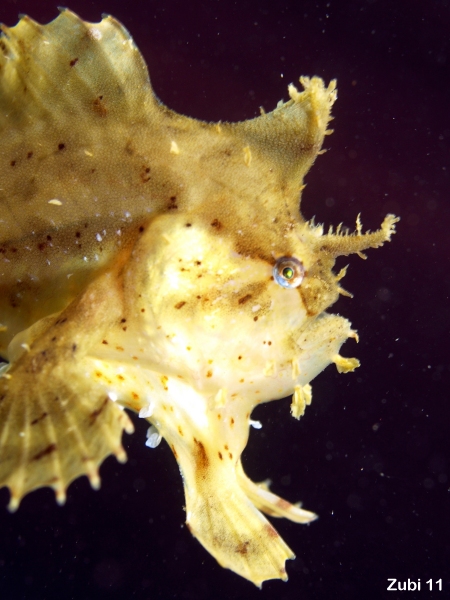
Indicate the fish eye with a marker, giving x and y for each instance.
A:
(288, 272)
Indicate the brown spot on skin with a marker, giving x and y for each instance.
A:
(141, 229)
(73, 62)
(44, 414)
(119, 348)
(239, 357)
(29, 154)
(164, 379)
(244, 299)
(219, 416)
(120, 377)
(104, 342)
(42, 246)
(98, 374)
(179, 305)
(61, 146)
(13, 163)
(94, 414)
(45, 452)
(216, 224)
(209, 374)
(123, 320)
(99, 106)
(180, 431)
(174, 452)
(188, 224)
(172, 203)
(220, 455)
(124, 328)
(74, 347)
(230, 455)
(283, 504)
(142, 309)
(201, 458)
(271, 531)
(135, 396)
(232, 421)
(226, 446)
(242, 548)
(145, 174)
(78, 234)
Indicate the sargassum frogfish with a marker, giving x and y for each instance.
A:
(160, 264)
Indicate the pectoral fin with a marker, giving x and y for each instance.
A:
(56, 421)
(53, 429)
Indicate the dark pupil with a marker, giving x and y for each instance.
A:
(288, 272)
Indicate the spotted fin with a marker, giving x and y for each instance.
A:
(55, 422)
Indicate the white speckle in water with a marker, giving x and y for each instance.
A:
(55, 201)
(127, 214)
(85, 258)
(256, 424)
(69, 275)
(256, 307)
(119, 232)
(153, 437)
(98, 237)
(112, 396)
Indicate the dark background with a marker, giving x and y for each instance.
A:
(371, 455)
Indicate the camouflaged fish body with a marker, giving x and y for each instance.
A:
(157, 263)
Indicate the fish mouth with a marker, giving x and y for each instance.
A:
(318, 345)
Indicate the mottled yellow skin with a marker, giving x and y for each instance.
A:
(137, 249)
